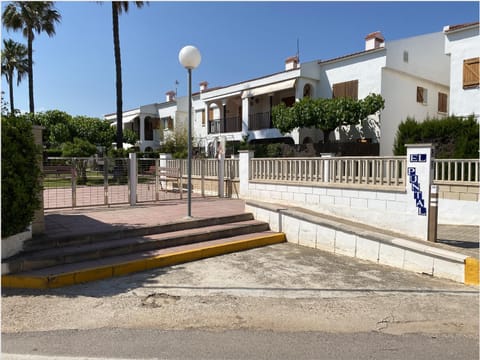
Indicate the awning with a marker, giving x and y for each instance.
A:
(267, 89)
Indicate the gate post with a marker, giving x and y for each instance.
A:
(133, 178)
(244, 170)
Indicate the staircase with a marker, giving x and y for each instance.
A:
(57, 262)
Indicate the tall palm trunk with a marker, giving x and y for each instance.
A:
(30, 70)
(118, 70)
(10, 89)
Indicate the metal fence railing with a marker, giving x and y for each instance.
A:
(76, 182)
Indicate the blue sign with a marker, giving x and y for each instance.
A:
(417, 194)
(418, 157)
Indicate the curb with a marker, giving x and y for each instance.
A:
(120, 269)
(472, 271)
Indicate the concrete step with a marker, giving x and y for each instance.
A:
(113, 247)
(91, 270)
(119, 232)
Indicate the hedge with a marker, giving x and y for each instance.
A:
(20, 175)
(453, 137)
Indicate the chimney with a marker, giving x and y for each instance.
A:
(203, 86)
(170, 96)
(374, 40)
(291, 63)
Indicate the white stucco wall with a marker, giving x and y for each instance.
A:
(461, 45)
(366, 68)
(400, 93)
(426, 57)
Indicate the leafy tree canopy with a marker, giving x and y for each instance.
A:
(325, 114)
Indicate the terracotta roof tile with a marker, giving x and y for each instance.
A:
(449, 28)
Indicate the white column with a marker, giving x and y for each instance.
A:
(245, 110)
(418, 182)
(244, 171)
(142, 133)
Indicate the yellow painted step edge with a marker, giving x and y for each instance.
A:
(472, 271)
(87, 275)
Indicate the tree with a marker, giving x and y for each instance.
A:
(117, 8)
(30, 17)
(20, 174)
(79, 148)
(325, 114)
(14, 59)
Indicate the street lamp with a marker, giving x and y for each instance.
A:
(190, 58)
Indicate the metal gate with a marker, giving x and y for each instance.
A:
(78, 182)
(81, 182)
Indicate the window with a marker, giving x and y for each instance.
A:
(422, 95)
(289, 101)
(471, 73)
(148, 128)
(307, 91)
(405, 56)
(167, 122)
(348, 89)
(442, 102)
(203, 118)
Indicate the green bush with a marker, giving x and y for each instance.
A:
(20, 175)
(453, 137)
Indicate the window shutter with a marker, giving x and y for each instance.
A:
(442, 102)
(471, 72)
(419, 94)
(351, 90)
(170, 123)
(348, 89)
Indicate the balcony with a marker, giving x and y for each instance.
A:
(259, 121)
(228, 125)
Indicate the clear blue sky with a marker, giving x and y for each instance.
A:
(74, 70)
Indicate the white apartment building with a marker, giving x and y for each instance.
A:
(413, 75)
(462, 45)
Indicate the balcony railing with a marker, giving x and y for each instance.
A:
(230, 124)
(259, 121)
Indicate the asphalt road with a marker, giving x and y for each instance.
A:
(278, 302)
(239, 344)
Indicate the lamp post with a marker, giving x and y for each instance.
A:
(190, 58)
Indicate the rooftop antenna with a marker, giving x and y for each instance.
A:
(176, 85)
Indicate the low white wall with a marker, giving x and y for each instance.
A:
(458, 212)
(14, 244)
(308, 230)
(391, 210)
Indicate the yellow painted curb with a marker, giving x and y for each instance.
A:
(472, 271)
(103, 272)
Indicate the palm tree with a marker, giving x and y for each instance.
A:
(117, 8)
(14, 58)
(30, 17)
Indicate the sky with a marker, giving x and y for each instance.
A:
(74, 71)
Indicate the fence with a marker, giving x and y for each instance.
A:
(456, 170)
(359, 171)
(348, 171)
(76, 182)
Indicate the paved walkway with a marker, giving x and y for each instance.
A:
(60, 223)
